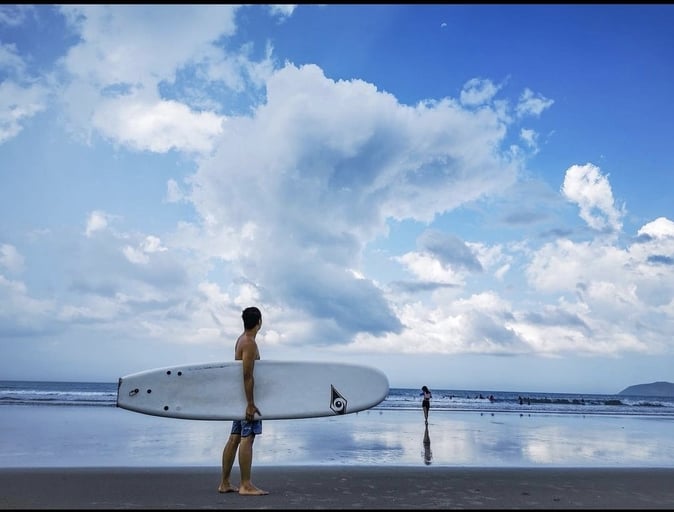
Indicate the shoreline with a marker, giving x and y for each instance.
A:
(339, 487)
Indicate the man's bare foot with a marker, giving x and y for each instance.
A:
(227, 487)
(251, 490)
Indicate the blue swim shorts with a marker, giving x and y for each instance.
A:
(245, 428)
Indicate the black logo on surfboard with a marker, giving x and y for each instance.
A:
(337, 401)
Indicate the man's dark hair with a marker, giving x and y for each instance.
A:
(251, 316)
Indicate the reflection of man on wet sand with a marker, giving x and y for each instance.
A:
(428, 454)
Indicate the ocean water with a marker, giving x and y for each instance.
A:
(105, 394)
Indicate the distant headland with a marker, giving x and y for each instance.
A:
(659, 388)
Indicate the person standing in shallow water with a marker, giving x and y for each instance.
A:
(426, 401)
(243, 432)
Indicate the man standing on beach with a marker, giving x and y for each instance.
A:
(244, 431)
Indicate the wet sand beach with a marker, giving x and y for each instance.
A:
(347, 487)
(107, 458)
(44, 436)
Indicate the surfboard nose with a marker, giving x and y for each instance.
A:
(125, 392)
(119, 385)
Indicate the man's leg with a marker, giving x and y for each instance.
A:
(245, 462)
(228, 454)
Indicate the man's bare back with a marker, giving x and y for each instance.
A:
(245, 342)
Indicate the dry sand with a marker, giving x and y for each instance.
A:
(340, 487)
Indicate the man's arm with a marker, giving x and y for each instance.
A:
(248, 356)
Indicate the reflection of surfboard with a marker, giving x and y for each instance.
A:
(283, 390)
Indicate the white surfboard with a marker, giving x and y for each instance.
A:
(283, 390)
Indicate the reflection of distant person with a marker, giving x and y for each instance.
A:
(426, 401)
(428, 454)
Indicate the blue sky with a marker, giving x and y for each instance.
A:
(464, 196)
